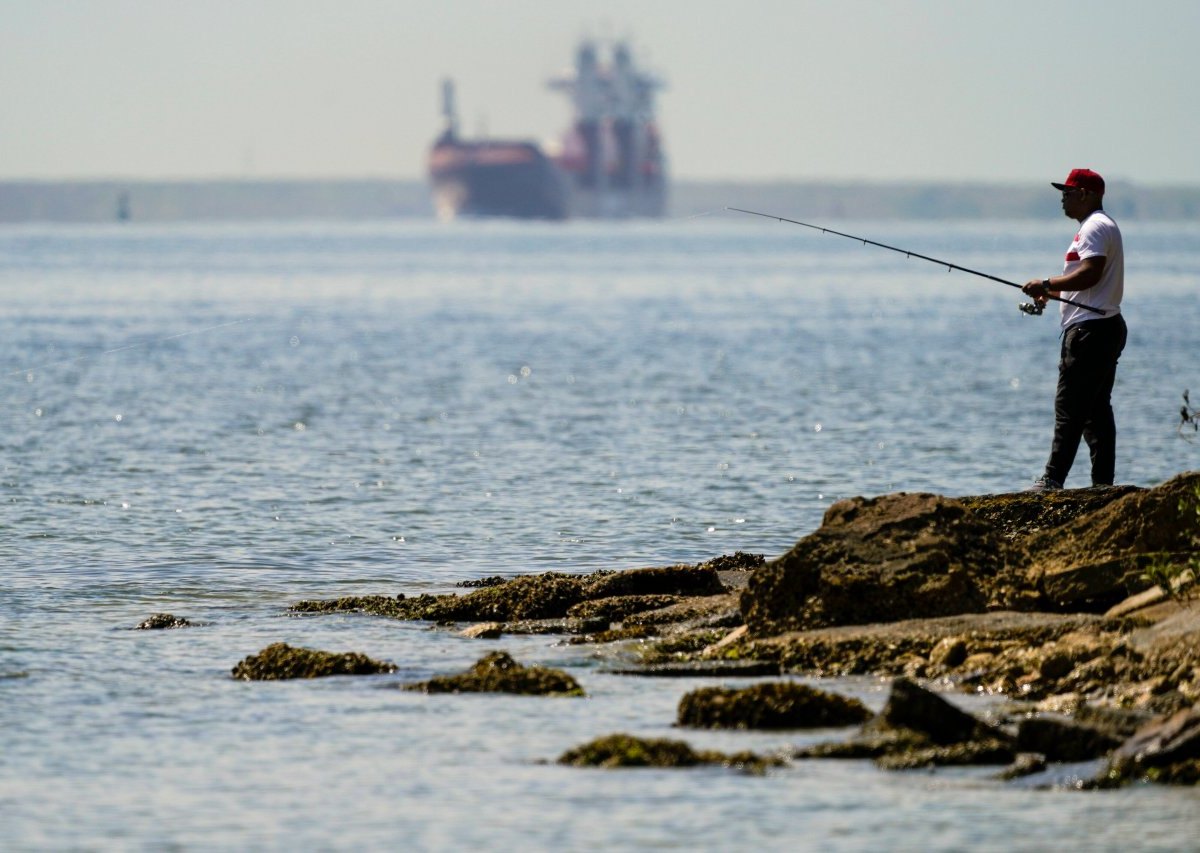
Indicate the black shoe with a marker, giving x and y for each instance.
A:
(1045, 484)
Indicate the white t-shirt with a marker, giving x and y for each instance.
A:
(1098, 237)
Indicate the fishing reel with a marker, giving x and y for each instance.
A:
(1031, 308)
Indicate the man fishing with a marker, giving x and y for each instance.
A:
(1093, 333)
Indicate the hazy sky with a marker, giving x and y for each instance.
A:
(1012, 90)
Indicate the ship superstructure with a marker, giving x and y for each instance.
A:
(609, 164)
(612, 154)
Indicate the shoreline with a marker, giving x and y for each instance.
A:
(1059, 605)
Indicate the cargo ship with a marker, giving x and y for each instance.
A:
(609, 164)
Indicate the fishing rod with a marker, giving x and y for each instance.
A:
(1027, 307)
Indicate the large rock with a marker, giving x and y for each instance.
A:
(1100, 558)
(882, 559)
(771, 705)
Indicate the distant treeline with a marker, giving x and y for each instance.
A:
(165, 201)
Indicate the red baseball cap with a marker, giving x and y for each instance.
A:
(1084, 179)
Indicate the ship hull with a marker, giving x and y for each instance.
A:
(496, 179)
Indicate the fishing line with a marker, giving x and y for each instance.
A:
(1031, 308)
(126, 347)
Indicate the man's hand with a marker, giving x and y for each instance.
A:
(1038, 288)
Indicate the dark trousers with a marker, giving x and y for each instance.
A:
(1087, 367)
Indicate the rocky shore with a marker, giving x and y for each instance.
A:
(1073, 608)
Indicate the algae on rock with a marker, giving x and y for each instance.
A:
(279, 661)
(551, 595)
(499, 673)
(622, 750)
(770, 705)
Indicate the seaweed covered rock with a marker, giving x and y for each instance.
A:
(551, 595)
(771, 705)
(618, 607)
(1098, 559)
(739, 561)
(499, 673)
(882, 559)
(397, 606)
(1018, 515)
(162, 621)
(668, 580)
(622, 750)
(280, 661)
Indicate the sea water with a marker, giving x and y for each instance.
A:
(219, 420)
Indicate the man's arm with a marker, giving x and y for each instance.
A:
(1081, 278)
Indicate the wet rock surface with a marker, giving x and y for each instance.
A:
(163, 621)
(499, 673)
(280, 661)
(622, 750)
(771, 705)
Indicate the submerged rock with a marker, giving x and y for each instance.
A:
(162, 621)
(622, 750)
(880, 560)
(771, 705)
(499, 673)
(280, 661)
